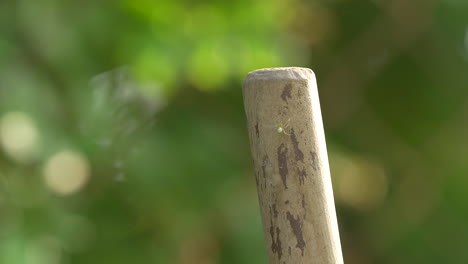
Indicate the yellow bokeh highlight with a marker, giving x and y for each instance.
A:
(359, 183)
(44, 250)
(66, 172)
(18, 136)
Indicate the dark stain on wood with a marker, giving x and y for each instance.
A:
(265, 162)
(283, 163)
(275, 241)
(299, 156)
(257, 132)
(256, 178)
(275, 212)
(303, 204)
(296, 225)
(302, 175)
(299, 93)
(286, 92)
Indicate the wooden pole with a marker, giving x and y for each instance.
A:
(291, 166)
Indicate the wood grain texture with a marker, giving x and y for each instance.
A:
(291, 168)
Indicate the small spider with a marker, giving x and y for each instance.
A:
(281, 128)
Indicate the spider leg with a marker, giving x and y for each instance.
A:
(287, 123)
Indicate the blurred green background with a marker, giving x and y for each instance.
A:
(123, 137)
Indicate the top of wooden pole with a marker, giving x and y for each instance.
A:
(285, 73)
(291, 166)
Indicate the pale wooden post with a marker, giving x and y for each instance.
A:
(291, 166)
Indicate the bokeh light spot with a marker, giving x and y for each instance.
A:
(44, 250)
(315, 24)
(159, 69)
(359, 183)
(18, 136)
(66, 172)
(208, 69)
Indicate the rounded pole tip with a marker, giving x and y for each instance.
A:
(284, 73)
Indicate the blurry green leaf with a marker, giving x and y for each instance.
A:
(207, 69)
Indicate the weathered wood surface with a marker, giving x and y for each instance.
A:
(291, 166)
